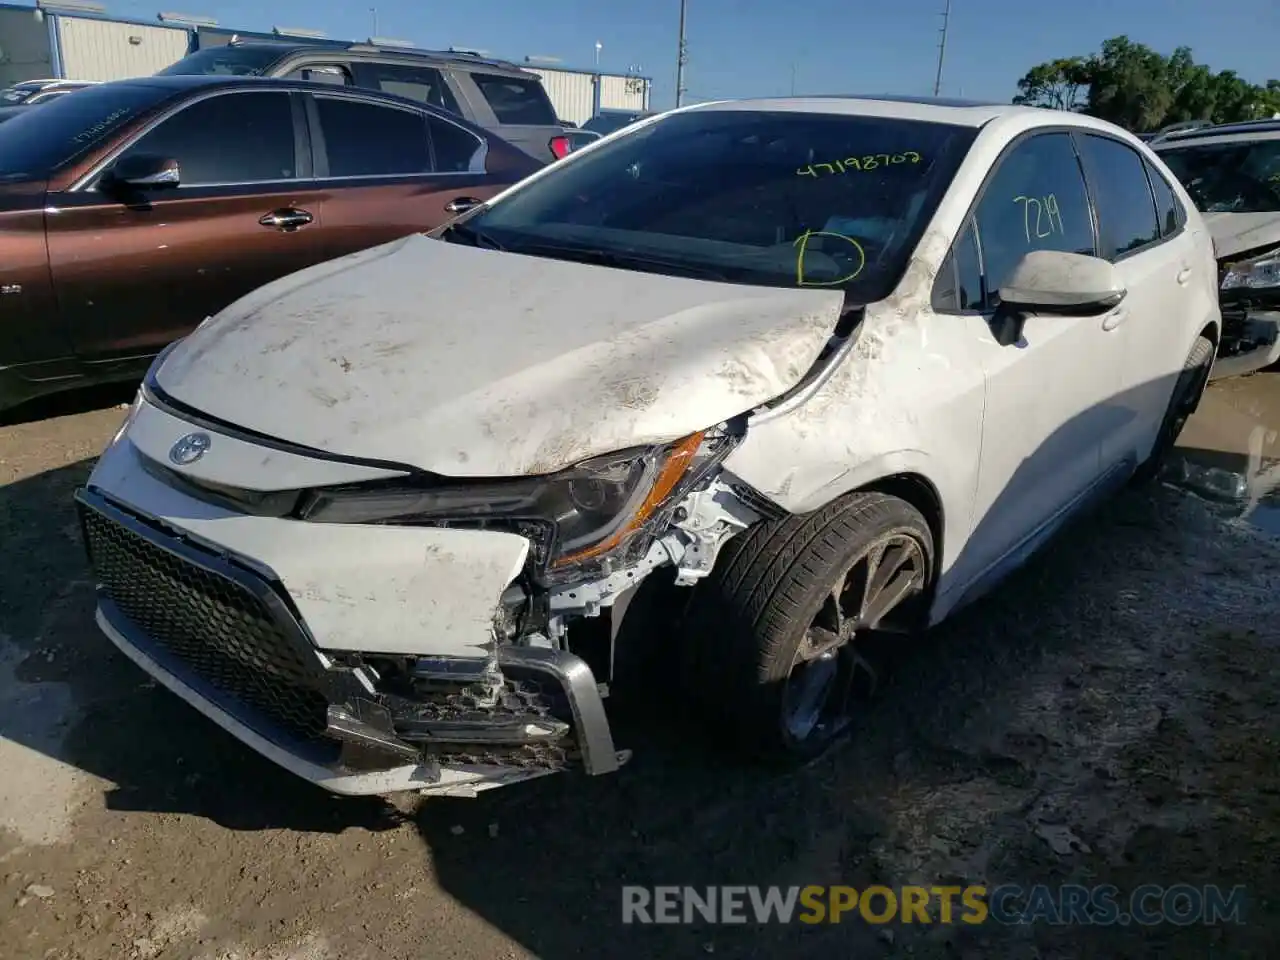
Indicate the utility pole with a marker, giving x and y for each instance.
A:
(793, 78)
(942, 48)
(374, 11)
(681, 58)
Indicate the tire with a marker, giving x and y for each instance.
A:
(1186, 397)
(752, 617)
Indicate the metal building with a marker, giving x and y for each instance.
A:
(104, 49)
(77, 40)
(579, 95)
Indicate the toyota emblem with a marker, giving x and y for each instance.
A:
(189, 449)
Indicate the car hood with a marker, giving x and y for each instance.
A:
(1236, 232)
(472, 362)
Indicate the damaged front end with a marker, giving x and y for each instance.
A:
(228, 633)
(1249, 294)
(535, 704)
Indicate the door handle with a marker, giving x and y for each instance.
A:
(461, 204)
(1114, 319)
(1184, 275)
(286, 220)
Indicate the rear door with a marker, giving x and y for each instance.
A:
(516, 108)
(386, 171)
(1157, 267)
(133, 273)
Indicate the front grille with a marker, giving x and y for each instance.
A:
(217, 627)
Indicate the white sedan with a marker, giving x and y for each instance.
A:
(809, 367)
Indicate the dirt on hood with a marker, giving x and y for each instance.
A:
(474, 362)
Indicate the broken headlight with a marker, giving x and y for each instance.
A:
(577, 515)
(1257, 274)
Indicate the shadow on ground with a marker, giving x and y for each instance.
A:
(1045, 701)
(69, 403)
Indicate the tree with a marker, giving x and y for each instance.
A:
(1058, 84)
(1136, 87)
(1129, 85)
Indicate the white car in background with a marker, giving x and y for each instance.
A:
(828, 366)
(1232, 172)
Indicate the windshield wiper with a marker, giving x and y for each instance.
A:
(623, 261)
(477, 238)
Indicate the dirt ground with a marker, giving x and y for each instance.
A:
(1108, 716)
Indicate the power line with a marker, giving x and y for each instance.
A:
(942, 48)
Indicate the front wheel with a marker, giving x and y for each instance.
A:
(772, 635)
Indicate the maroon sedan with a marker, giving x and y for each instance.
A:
(131, 211)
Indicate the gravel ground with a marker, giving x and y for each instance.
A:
(1108, 716)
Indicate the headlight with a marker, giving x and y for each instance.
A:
(580, 514)
(1254, 274)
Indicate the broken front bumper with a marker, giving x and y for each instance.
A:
(225, 635)
(1253, 335)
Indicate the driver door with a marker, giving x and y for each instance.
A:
(1050, 395)
(134, 272)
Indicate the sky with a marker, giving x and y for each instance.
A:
(746, 48)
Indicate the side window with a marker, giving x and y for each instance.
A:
(516, 100)
(424, 84)
(1168, 209)
(1035, 200)
(330, 73)
(369, 140)
(959, 285)
(454, 147)
(228, 138)
(1126, 209)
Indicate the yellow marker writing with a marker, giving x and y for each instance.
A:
(872, 161)
(802, 242)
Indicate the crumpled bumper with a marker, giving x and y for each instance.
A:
(224, 631)
(1261, 331)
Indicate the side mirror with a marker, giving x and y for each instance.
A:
(144, 171)
(1055, 282)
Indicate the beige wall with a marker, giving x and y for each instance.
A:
(103, 50)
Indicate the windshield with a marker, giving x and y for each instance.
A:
(39, 140)
(779, 199)
(1238, 177)
(246, 61)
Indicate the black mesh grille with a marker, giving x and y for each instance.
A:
(217, 627)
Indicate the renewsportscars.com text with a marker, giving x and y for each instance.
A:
(1148, 905)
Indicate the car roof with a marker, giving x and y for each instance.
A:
(1244, 130)
(178, 84)
(405, 54)
(967, 113)
(42, 83)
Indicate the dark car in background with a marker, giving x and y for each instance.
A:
(31, 92)
(1232, 173)
(611, 121)
(132, 211)
(492, 94)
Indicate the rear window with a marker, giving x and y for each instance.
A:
(43, 139)
(247, 61)
(516, 100)
(423, 84)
